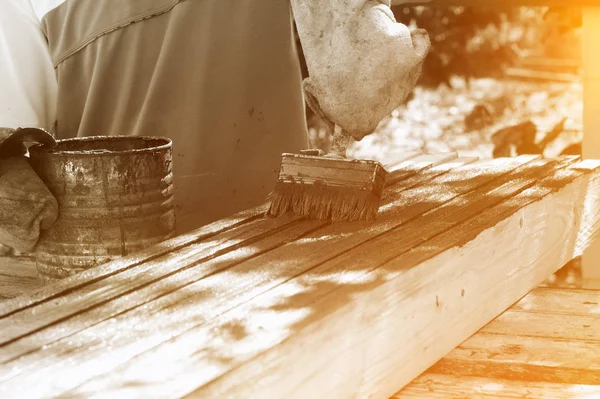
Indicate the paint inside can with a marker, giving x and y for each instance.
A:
(115, 196)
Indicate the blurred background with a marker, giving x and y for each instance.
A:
(488, 70)
(498, 82)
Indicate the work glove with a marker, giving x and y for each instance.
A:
(26, 205)
(362, 64)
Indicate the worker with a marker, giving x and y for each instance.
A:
(221, 78)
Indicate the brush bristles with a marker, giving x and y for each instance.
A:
(323, 202)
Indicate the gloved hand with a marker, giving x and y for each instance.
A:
(26, 204)
(362, 64)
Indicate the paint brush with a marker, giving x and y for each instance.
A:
(330, 186)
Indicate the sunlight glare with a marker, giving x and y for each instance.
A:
(492, 387)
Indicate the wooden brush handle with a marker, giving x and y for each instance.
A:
(340, 143)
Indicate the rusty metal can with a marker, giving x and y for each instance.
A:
(115, 196)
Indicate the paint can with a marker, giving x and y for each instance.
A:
(115, 196)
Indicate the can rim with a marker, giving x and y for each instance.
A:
(39, 149)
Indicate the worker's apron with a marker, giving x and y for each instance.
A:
(219, 77)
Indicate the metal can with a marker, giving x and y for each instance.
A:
(115, 197)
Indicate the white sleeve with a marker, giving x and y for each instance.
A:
(28, 86)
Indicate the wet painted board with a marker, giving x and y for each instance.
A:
(545, 346)
(258, 307)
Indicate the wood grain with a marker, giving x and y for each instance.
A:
(400, 167)
(525, 358)
(558, 301)
(97, 292)
(54, 290)
(243, 312)
(243, 291)
(590, 265)
(571, 327)
(434, 386)
(188, 366)
(517, 356)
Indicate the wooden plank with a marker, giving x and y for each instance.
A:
(134, 303)
(377, 376)
(188, 367)
(373, 339)
(559, 301)
(61, 287)
(95, 293)
(413, 182)
(434, 386)
(524, 358)
(425, 167)
(30, 342)
(396, 157)
(20, 324)
(303, 291)
(529, 356)
(558, 326)
(590, 267)
(399, 167)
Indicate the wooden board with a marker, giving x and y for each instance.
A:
(13, 277)
(242, 308)
(590, 267)
(545, 346)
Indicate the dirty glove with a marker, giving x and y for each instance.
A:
(26, 204)
(362, 63)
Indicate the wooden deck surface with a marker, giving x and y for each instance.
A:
(288, 307)
(545, 346)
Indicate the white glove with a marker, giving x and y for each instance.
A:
(362, 64)
(26, 205)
